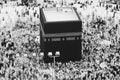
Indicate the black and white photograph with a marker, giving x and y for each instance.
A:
(59, 39)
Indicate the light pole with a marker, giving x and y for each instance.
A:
(50, 54)
(57, 54)
(41, 56)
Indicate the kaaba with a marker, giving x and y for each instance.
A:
(60, 30)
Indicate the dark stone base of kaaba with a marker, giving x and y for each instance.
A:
(69, 50)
